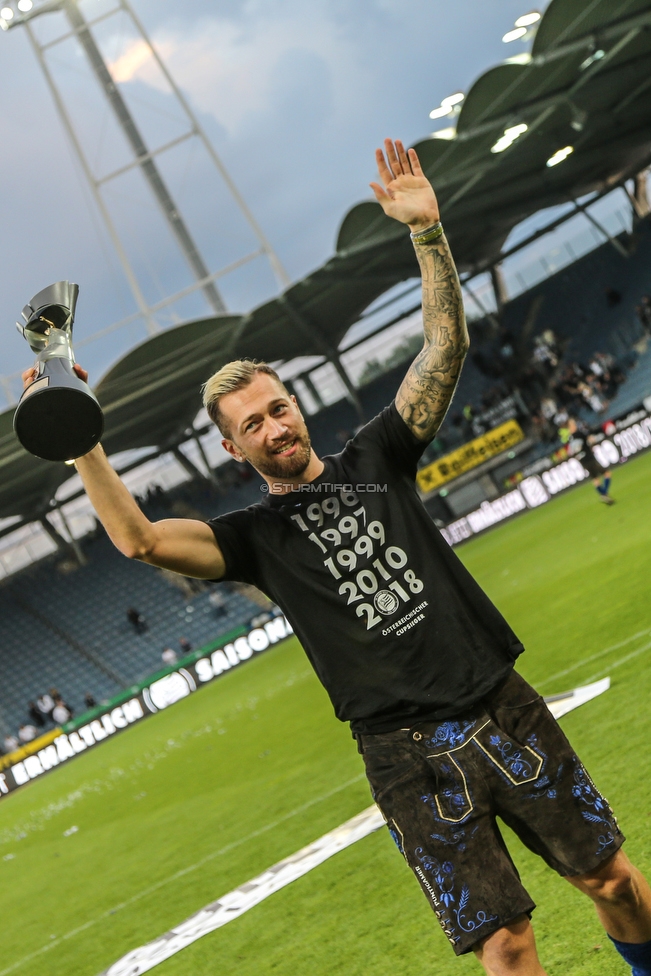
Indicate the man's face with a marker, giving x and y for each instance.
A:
(267, 428)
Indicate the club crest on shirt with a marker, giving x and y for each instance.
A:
(386, 602)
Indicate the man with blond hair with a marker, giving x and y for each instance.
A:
(410, 649)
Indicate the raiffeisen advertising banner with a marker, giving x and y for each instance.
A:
(59, 745)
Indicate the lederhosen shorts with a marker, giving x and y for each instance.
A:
(441, 785)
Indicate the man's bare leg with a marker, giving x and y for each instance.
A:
(511, 951)
(622, 898)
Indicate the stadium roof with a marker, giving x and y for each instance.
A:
(584, 88)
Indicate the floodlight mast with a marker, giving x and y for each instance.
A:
(144, 158)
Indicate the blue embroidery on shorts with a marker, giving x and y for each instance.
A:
(444, 879)
(450, 734)
(585, 791)
(473, 923)
(458, 839)
(514, 759)
(453, 797)
(544, 786)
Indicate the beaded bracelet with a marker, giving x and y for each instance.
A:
(429, 234)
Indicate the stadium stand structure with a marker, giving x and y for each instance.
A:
(636, 390)
(66, 626)
(69, 629)
(575, 301)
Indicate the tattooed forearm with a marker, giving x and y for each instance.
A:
(426, 391)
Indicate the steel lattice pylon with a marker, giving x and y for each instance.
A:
(144, 158)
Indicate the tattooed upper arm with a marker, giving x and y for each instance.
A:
(426, 391)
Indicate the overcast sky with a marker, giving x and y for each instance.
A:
(295, 95)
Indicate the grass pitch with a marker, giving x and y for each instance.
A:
(193, 802)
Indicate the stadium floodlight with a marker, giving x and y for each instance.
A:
(514, 35)
(523, 27)
(447, 106)
(449, 133)
(527, 20)
(509, 137)
(24, 6)
(7, 13)
(560, 155)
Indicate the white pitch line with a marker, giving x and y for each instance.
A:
(179, 874)
(592, 657)
(620, 661)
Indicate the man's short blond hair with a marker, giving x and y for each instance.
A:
(230, 378)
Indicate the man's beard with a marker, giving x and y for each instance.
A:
(277, 466)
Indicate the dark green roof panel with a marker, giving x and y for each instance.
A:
(494, 94)
(569, 20)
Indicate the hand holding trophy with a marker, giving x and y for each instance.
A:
(58, 417)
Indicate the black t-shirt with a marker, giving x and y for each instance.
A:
(394, 625)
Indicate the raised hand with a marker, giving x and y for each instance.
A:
(407, 194)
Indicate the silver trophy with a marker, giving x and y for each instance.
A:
(58, 417)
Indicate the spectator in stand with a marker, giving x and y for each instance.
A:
(36, 714)
(27, 733)
(60, 700)
(591, 393)
(568, 390)
(542, 428)
(613, 297)
(466, 421)
(137, 620)
(546, 352)
(644, 313)
(217, 601)
(45, 704)
(185, 646)
(548, 407)
(61, 713)
(169, 656)
(9, 743)
(90, 700)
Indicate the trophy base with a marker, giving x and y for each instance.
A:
(58, 422)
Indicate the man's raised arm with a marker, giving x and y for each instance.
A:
(185, 546)
(426, 391)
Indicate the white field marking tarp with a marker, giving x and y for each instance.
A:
(562, 704)
(236, 902)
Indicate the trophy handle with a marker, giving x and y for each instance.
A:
(48, 314)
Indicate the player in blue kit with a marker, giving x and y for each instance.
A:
(410, 649)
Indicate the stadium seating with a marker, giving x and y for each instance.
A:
(70, 630)
(636, 389)
(575, 302)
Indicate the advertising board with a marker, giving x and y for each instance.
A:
(62, 744)
(539, 482)
(469, 456)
